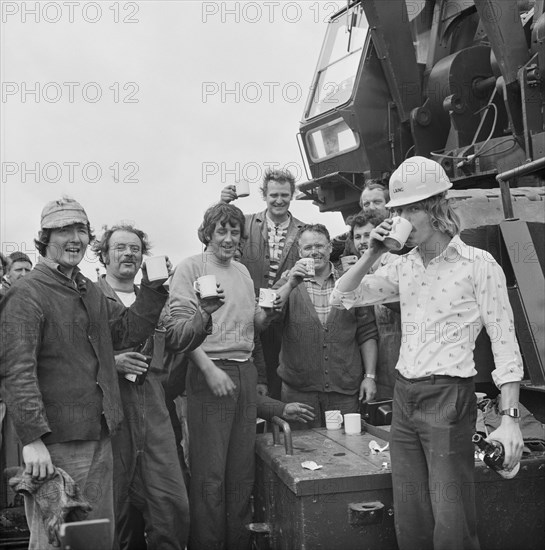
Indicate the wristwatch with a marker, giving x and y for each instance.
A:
(513, 412)
(372, 376)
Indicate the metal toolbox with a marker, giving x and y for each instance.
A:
(347, 504)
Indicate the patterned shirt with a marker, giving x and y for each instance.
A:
(443, 309)
(277, 239)
(320, 293)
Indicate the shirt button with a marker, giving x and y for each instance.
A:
(327, 372)
(325, 345)
(326, 329)
(326, 357)
(327, 385)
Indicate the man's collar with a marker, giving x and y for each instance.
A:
(52, 264)
(455, 248)
(281, 225)
(78, 279)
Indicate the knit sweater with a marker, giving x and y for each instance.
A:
(232, 334)
(318, 357)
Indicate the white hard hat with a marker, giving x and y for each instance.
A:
(416, 179)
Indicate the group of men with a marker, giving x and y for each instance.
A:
(319, 341)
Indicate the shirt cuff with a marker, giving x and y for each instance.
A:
(343, 299)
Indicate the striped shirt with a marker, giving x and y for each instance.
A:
(319, 293)
(277, 239)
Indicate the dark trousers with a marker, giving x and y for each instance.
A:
(271, 341)
(433, 464)
(151, 496)
(221, 451)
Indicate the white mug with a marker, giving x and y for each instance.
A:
(266, 297)
(206, 286)
(352, 424)
(333, 420)
(242, 188)
(156, 267)
(401, 229)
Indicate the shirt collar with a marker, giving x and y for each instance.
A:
(456, 248)
(77, 278)
(283, 225)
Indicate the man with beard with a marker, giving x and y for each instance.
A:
(152, 509)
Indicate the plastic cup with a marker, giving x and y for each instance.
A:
(206, 286)
(352, 424)
(401, 229)
(333, 420)
(266, 297)
(156, 267)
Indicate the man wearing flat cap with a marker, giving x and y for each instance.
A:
(57, 368)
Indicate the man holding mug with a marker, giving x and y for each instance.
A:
(446, 289)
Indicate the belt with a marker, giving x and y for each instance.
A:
(433, 377)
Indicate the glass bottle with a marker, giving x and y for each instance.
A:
(493, 455)
(145, 349)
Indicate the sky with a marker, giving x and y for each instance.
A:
(144, 111)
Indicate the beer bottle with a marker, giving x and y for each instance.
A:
(145, 349)
(493, 455)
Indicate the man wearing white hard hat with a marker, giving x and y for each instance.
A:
(448, 291)
(57, 369)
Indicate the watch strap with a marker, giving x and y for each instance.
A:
(513, 412)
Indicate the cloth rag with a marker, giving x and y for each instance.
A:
(59, 498)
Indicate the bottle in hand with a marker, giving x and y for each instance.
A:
(145, 349)
(493, 455)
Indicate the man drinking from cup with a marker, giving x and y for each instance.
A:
(328, 356)
(446, 290)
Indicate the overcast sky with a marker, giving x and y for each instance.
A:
(173, 99)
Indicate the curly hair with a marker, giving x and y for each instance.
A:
(102, 247)
(44, 235)
(360, 220)
(223, 214)
(279, 176)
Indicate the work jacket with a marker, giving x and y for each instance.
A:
(323, 357)
(255, 249)
(56, 361)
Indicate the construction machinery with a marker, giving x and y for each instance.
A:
(460, 82)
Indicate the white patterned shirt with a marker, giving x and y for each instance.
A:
(277, 239)
(443, 309)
